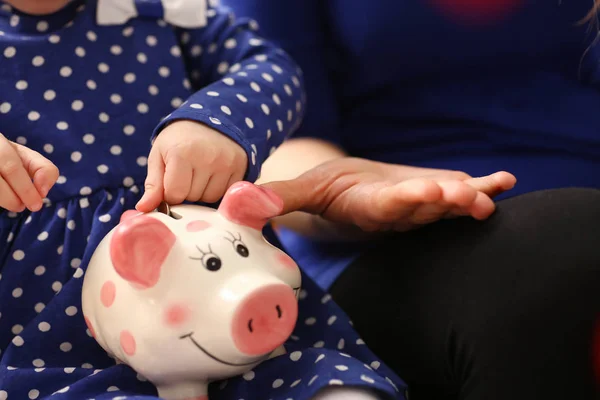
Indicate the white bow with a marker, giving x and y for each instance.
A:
(181, 13)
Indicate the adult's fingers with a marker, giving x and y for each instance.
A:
(15, 174)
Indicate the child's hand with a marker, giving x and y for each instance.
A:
(18, 167)
(190, 161)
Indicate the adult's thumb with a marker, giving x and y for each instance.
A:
(298, 194)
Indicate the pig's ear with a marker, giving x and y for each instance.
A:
(138, 249)
(250, 205)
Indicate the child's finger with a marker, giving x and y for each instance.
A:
(43, 172)
(493, 185)
(153, 186)
(215, 188)
(178, 180)
(8, 199)
(14, 173)
(199, 181)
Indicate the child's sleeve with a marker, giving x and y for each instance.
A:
(247, 88)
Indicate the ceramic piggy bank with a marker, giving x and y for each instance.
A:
(194, 294)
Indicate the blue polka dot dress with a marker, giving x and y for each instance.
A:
(91, 96)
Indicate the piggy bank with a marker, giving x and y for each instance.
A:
(193, 294)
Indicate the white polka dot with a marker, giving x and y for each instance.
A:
(215, 120)
(42, 26)
(44, 327)
(18, 341)
(341, 344)
(366, 379)
(63, 390)
(212, 48)
(319, 344)
(336, 382)
(5, 107)
(104, 218)
(277, 69)
(175, 51)
(196, 106)
(62, 126)
(142, 58)
(66, 347)
(66, 72)
(116, 98)
(116, 49)
(230, 43)
(276, 99)
(39, 307)
(76, 156)
(267, 77)
(33, 115)
(129, 130)
(38, 61)
(331, 320)
(164, 72)
(226, 110)
(103, 67)
(142, 161)
(261, 58)
(102, 168)
(298, 106)
(69, 370)
(88, 138)
(91, 84)
(84, 202)
(279, 125)
(71, 311)
(290, 115)
(62, 213)
(143, 108)
(212, 94)
(151, 40)
(341, 367)
(277, 383)
(255, 42)
(92, 37)
(33, 394)
(61, 179)
(14, 20)
(57, 286)
(40, 270)
(312, 380)
(22, 85)
(54, 39)
(296, 355)
(255, 86)
(16, 329)
(288, 89)
(319, 358)
(10, 52)
(129, 77)
(128, 31)
(241, 98)
(18, 255)
(222, 68)
(360, 342)
(176, 102)
(235, 68)
(375, 364)
(248, 376)
(77, 105)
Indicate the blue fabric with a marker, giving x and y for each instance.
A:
(415, 82)
(90, 98)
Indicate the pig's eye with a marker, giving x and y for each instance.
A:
(212, 263)
(241, 248)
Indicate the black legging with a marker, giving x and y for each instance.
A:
(501, 309)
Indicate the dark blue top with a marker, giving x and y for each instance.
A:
(508, 85)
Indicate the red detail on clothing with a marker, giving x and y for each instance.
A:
(476, 11)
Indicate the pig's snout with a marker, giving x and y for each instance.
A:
(265, 319)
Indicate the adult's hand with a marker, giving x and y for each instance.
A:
(381, 197)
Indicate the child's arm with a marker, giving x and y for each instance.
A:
(247, 90)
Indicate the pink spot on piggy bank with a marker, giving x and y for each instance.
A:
(191, 292)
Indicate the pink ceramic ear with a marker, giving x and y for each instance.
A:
(139, 248)
(250, 205)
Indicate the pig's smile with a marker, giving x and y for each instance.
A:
(202, 349)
